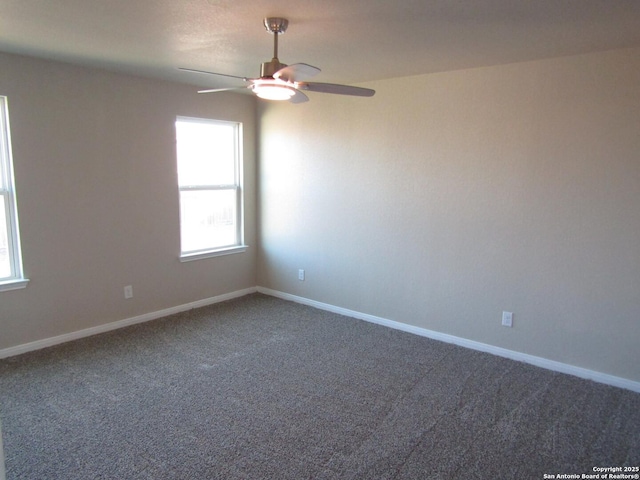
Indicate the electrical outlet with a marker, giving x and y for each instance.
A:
(128, 291)
(507, 319)
(301, 275)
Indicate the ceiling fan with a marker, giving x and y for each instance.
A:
(279, 81)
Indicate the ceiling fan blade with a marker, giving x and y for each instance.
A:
(339, 89)
(213, 90)
(296, 72)
(213, 73)
(299, 97)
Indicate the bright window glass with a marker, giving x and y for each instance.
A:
(5, 264)
(10, 256)
(209, 179)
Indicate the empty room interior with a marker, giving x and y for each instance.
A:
(464, 174)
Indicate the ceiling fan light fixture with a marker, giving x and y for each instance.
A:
(270, 91)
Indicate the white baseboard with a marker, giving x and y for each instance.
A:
(463, 342)
(49, 342)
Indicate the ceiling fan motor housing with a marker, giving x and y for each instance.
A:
(267, 69)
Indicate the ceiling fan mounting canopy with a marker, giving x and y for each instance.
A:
(276, 24)
(279, 81)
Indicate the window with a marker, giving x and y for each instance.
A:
(210, 184)
(11, 276)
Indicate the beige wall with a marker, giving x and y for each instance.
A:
(440, 202)
(448, 198)
(98, 201)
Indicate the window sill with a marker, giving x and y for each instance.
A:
(13, 284)
(189, 257)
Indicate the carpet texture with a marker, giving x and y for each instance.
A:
(262, 388)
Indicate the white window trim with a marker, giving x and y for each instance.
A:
(17, 281)
(190, 256)
(8, 285)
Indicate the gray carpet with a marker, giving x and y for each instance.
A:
(261, 388)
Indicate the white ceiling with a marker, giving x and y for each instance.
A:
(352, 41)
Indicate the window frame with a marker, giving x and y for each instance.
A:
(16, 278)
(237, 186)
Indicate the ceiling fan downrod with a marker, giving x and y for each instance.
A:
(275, 25)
